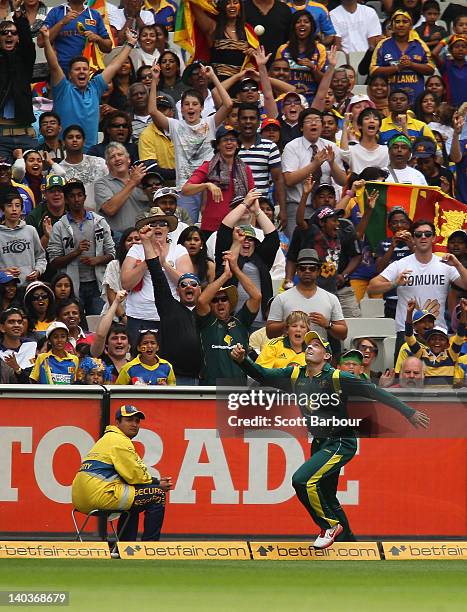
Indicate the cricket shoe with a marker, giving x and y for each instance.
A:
(327, 536)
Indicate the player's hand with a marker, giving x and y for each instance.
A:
(387, 378)
(238, 353)
(215, 191)
(165, 483)
(420, 419)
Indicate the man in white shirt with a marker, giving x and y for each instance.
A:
(400, 152)
(309, 154)
(357, 26)
(422, 276)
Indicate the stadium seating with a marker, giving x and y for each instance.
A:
(389, 345)
(376, 328)
(372, 308)
(355, 57)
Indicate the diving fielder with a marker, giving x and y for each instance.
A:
(315, 482)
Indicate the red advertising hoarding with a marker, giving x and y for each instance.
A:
(228, 485)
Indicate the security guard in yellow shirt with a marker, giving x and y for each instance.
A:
(112, 476)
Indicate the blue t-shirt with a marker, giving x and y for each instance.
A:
(461, 173)
(366, 269)
(165, 15)
(69, 42)
(80, 107)
(455, 79)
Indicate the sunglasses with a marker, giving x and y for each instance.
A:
(427, 234)
(310, 268)
(11, 32)
(188, 283)
(368, 349)
(159, 224)
(117, 126)
(292, 103)
(250, 88)
(220, 298)
(40, 297)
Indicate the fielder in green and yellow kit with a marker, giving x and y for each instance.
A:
(334, 443)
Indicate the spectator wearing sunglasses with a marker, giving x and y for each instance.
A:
(178, 335)
(323, 307)
(369, 349)
(422, 276)
(116, 127)
(140, 307)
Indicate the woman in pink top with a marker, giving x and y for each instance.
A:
(224, 177)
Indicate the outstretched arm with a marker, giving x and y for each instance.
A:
(56, 73)
(160, 120)
(115, 65)
(275, 377)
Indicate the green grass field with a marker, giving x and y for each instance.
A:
(245, 585)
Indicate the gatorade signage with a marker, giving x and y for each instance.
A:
(393, 551)
(54, 550)
(301, 551)
(229, 551)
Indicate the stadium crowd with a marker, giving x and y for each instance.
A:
(158, 209)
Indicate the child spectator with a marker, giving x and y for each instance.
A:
(289, 349)
(423, 321)
(20, 246)
(454, 71)
(8, 291)
(440, 356)
(16, 351)
(147, 368)
(39, 304)
(429, 32)
(93, 371)
(56, 366)
(352, 361)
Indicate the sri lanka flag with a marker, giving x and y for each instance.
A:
(91, 51)
(420, 202)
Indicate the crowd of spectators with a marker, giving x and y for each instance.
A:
(160, 209)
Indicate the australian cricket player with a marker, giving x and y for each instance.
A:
(334, 443)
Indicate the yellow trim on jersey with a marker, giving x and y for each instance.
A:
(311, 487)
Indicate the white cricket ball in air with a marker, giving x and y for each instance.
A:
(259, 30)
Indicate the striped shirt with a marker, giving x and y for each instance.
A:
(262, 157)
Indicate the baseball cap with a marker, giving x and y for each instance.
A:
(359, 98)
(308, 256)
(418, 315)
(460, 233)
(351, 355)
(424, 148)
(165, 191)
(397, 210)
(6, 278)
(128, 411)
(53, 180)
(4, 162)
(301, 98)
(249, 231)
(325, 212)
(165, 101)
(312, 335)
(270, 121)
(436, 330)
(54, 326)
(225, 130)
(325, 186)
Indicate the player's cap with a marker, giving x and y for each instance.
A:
(270, 121)
(54, 326)
(312, 335)
(418, 315)
(53, 180)
(128, 411)
(440, 331)
(232, 295)
(460, 233)
(351, 355)
(397, 210)
(424, 148)
(308, 256)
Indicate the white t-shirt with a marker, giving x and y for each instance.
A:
(407, 176)
(140, 304)
(355, 28)
(192, 145)
(209, 107)
(358, 158)
(429, 281)
(174, 236)
(117, 17)
(322, 301)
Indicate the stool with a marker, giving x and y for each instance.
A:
(110, 516)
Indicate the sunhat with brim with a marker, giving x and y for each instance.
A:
(231, 292)
(156, 214)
